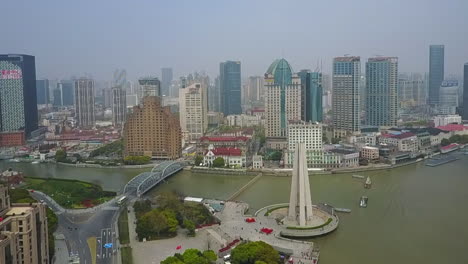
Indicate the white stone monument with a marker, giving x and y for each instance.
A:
(300, 202)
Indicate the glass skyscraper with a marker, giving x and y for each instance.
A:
(436, 72)
(68, 92)
(381, 91)
(18, 100)
(230, 84)
(42, 91)
(311, 95)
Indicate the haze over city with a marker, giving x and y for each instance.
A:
(96, 37)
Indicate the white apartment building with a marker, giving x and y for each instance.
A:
(308, 133)
(193, 107)
(407, 142)
(244, 120)
(443, 120)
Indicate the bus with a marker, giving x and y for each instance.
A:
(121, 200)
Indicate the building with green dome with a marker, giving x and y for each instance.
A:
(283, 98)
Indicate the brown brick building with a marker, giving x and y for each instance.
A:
(12, 139)
(152, 130)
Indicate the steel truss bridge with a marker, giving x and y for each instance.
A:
(144, 181)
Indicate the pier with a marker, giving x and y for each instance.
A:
(440, 161)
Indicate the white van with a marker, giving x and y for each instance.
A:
(226, 258)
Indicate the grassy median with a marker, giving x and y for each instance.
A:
(124, 236)
(126, 253)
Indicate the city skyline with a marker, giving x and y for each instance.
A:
(59, 55)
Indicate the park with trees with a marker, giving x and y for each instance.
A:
(171, 213)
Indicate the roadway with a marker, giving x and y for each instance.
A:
(77, 228)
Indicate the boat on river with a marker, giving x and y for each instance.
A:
(363, 201)
(368, 183)
(358, 176)
(342, 210)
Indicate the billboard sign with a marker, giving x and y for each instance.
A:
(11, 74)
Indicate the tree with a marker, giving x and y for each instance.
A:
(445, 142)
(172, 260)
(136, 160)
(218, 162)
(190, 227)
(198, 160)
(61, 156)
(142, 207)
(210, 255)
(169, 200)
(276, 155)
(194, 256)
(250, 252)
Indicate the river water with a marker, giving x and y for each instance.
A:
(415, 214)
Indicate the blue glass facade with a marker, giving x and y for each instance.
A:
(312, 109)
(42, 91)
(68, 93)
(436, 72)
(230, 86)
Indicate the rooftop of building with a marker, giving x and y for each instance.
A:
(224, 138)
(449, 146)
(343, 151)
(377, 59)
(227, 152)
(347, 59)
(453, 127)
(399, 135)
(18, 210)
(281, 70)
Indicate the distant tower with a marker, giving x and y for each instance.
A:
(166, 80)
(84, 103)
(149, 86)
(311, 94)
(42, 91)
(300, 201)
(436, 72)
(230, 86)
(119, 105)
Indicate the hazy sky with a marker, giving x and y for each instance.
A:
(97, 36)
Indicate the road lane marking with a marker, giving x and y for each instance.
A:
(92, 244)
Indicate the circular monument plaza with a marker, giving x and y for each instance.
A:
(299, 217)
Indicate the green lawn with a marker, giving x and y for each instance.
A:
(123, 228)
(126, 253)
(70, 193)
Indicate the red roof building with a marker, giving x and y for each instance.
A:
(453, 127)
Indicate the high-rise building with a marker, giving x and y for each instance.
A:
(436, 72)
(230, 87)
(18, 100)
(193, 111)
(119, 106)
(283, 98)
(256, 91)
(23, 232)
(42, 91)
(107, 97)
(345, 96)
(411, 90)
(311, 94)
(213, 96)
(308, 133)
(57, 93)
(166, 80)
(448, 97)
(68, 92)
(152, 130)
(149, 86)
(381, 91)
(84, 103)
(465, 92)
